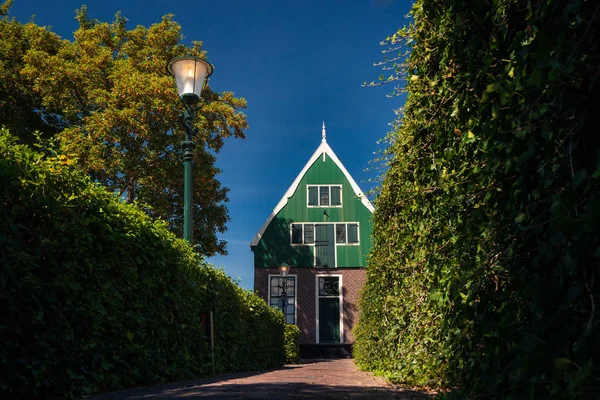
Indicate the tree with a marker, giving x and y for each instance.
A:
(115, 100)
(5, 7)
(21, 108)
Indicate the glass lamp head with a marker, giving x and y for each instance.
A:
(283, 270)
(190, 72)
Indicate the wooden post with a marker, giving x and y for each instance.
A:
(212, 340)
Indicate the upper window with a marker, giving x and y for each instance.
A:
(306, 233)
(296, 234)
(324, 195)
(340, 233)
(352, 233)
(309, 234)
(346, 233)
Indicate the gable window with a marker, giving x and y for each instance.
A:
(309, 234)
(324, 195)
(296, 233)
(346, 233)
(352, 233)
(282, 296)
(313, 196)
(340, 233)
(306, 233)
(336, 195)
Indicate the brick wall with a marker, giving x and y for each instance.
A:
(352, 281)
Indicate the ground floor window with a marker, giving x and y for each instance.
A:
(282, 295)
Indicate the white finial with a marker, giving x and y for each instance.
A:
(323, 133)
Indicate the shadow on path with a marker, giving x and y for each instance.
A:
(314, 379)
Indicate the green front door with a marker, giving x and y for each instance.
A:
(324, 246)
(329, 309)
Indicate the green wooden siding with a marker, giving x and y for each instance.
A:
(274, 246)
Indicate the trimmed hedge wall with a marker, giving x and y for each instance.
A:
(484, 276)
(96, 296)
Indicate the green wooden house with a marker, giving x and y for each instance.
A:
(321, 227)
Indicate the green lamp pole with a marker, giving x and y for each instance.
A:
(190, 72)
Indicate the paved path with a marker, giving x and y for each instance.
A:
(330, 379)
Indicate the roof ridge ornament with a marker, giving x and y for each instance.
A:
(323, 133)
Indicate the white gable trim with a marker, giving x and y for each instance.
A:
(322, 149)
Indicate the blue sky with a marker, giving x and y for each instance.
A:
(297, 63)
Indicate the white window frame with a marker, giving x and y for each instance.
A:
(292, 233)
(322, 274)
(319, 196)
(295, 276)
(357, 234)
(334, 238)
(345, 232)
(335, 233)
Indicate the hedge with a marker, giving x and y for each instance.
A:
(292, 343)
(96, 296)
(484, 276)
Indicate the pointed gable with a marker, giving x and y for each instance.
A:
(323, 152)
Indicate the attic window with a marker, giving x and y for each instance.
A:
(324, 195)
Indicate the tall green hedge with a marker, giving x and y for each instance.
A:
(485, 271)
(97, 296)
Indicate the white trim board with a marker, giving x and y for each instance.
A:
(323, 149)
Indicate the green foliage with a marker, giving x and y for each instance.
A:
(292, 343)
(97, 296)
(485, 274)
(5, 7)
(21, 109)
(107, 96)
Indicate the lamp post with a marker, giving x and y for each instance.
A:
(283, 271)
(190, 72)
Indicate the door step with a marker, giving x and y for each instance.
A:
(326, 350)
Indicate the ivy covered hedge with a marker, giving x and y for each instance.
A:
(485, 271)
(97, 296)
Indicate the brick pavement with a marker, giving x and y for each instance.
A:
(329, 379)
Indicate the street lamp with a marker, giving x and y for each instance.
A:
(190, 72)
(283, 271)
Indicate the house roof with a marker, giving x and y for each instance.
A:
(322, 149)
